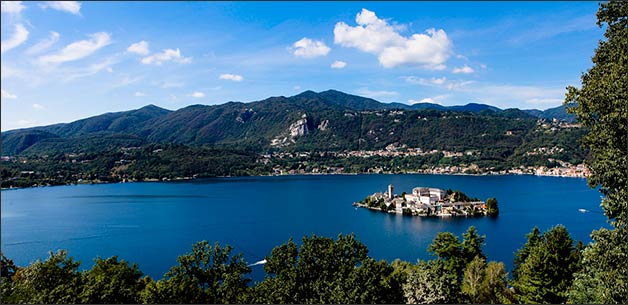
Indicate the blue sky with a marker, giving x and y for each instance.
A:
(66, 61)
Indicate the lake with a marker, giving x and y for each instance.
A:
(152, 223)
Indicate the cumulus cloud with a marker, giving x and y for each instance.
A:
(197, 94)
(166, 55)
(138, 93)
(38, 107)
(7, 95)
(140, 48)
(12, 7)
(338, 64)
(19, 36)
(464, 69)
(377, 36)
(72, 7)
(231, 77)
(78, 50)
(44, 44)
(309, 48)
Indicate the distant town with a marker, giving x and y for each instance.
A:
(428, 201)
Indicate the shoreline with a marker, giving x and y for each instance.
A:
(298, 174)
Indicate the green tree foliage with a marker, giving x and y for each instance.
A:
(208, 274)
(601, 104)
(111, 282)
(534, 237)
(474, 274)
(7, 270)
(323, 270)
(545, 271)
(491, 207)
(55, 280)
(472, 245)
(430, 283)
(454, 256)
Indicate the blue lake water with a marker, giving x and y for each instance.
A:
(152, 223)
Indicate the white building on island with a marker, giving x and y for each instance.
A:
(428, 195)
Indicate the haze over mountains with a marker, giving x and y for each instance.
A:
(330, 119)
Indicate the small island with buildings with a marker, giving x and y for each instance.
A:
(427, 201)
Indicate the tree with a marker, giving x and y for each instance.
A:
(430, 283)
(7, 270)
(491, 207)
(111, 282)
(55, 280)
(324, 270)
(208, 274)
(601, 106)
(474, 275)
(534, 237)
(447, 248)
(547, 270)
(472, 245)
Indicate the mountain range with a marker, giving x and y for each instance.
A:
(328, 120)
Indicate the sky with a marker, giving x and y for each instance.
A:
(63, 61)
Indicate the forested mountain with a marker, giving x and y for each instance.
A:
(329, 120)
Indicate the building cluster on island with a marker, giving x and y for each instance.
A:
(427, 201)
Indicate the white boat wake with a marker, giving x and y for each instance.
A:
(258, 263)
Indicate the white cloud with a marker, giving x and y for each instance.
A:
(376, 94)
(197, 94)
(433, 100)
(138, 94)
(232, 77)
(38, 107)
(19, 36)
(338, 64)
(140, 48)
(532, 96)
(91, 69)
(309, 48)
(7, 95)
(170, 84)
(79, 49)
(72, 7)
(24, 122)
(464, 69)
(442, 82)
(425, 100)
(166, 55)
(44, 44)
(376, 36)
(12, 7)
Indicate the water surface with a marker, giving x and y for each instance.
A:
(153, 223)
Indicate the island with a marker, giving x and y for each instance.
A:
(429, 201)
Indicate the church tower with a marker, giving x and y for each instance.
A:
(390, 192)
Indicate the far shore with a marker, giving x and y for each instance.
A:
(177, 179)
